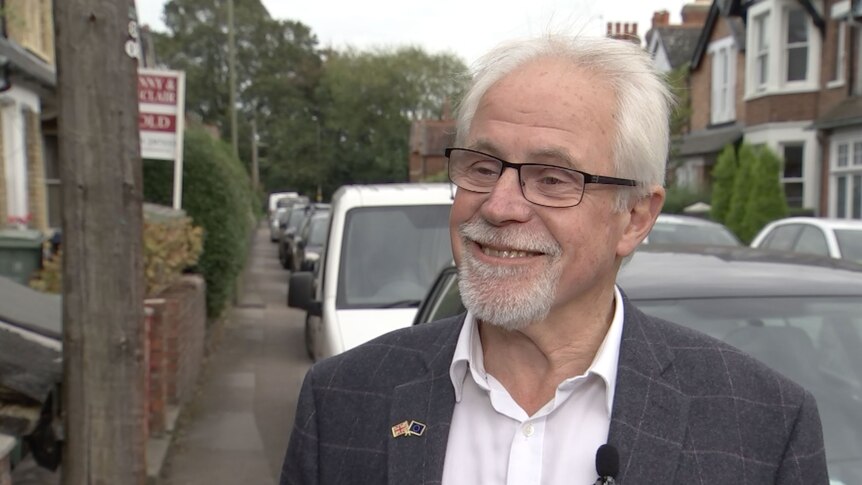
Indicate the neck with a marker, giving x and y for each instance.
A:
(532, 362)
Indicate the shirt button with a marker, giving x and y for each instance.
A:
(528, 430)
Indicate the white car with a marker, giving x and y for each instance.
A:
(676, 229)
(385, 246)
(837, 238)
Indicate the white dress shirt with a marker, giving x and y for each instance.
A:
(493, 441)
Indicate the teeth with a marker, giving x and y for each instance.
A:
(504, 253)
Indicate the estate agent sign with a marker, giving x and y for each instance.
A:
(161, 101)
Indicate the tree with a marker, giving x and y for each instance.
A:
(368, 100)
(722, 183)
(741, 189)
(278, 70)
(766, 202)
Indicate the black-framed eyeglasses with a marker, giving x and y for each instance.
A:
(545, 185)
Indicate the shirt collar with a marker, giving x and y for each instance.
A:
(468, 355)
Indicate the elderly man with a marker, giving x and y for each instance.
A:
(560, 161)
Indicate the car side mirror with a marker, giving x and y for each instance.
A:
(300, 293)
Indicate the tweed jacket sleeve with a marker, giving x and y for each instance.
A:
(692, 409)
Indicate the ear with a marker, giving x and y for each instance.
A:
(641, 218)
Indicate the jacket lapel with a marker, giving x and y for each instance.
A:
(650, 414)
(428, 400)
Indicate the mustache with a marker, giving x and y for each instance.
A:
(519, 238)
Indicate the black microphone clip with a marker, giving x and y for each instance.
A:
(607, 464)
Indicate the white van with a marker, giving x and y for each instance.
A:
(385, 246)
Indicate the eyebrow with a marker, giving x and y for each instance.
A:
(557, 154)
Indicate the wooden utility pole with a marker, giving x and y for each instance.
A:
(231, 67)
(255, 167)
(103, 286)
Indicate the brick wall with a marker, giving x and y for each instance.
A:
(176, 333)
(38, 201)
(778, 108)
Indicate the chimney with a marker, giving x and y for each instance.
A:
(660, 18)
(694, 13)
(623, 31)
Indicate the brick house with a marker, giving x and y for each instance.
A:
(29, 181)
(716, 77)
(671, 45)
(428, 139)
(785, 74)
(838, 123)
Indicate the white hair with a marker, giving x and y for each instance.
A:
(643, 100)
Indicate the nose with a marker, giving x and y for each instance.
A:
(506, 202)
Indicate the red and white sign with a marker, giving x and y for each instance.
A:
(161, 106)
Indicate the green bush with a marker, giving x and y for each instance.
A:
(217, 196)
(766, 202)
(678, 198)
(741, 189)
(722, 183)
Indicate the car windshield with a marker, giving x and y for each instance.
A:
(671, 233)
(297, 214)
(850, 243)
(318, 230)
(391, 255)
(814, 341)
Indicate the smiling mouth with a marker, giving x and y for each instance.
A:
(506, 253)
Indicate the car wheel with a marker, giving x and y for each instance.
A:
(309, 340)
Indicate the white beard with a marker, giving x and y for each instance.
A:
(508, 297)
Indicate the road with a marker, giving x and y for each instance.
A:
(236, 428)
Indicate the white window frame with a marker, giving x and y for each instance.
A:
(723, 86)
(838, 71)
(853, 141)
(775, 136)
(775, 14)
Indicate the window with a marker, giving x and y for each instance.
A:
(723, 101)
(792, 173)
(761, 50)
(783, 49)
(845, 192)
(782, 237)
(840, 52)
(797, 45)
(812, 241)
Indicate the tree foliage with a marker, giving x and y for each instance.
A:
(741, 188)
(324, 117)
(767, 201)
(747, 194)
(722, 183)
(368, 101)
(278, 70)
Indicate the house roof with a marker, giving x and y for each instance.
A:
(28, 64)
(846, 113)
(732, 16)
(708, 141)
(678, 42)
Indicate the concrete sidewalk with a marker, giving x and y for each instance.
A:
(236, 428)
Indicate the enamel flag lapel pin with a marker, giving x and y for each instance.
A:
(408, 428)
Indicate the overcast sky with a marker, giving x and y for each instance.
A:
(465, 27)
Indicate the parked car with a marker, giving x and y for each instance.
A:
(836, 238)
(310, 240)
(300, 215)
(799, 314)
(386, 244)
(276, 200)
(677, 229)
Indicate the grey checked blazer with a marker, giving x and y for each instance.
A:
(688, 409)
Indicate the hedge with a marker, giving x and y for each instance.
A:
(217, 196)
